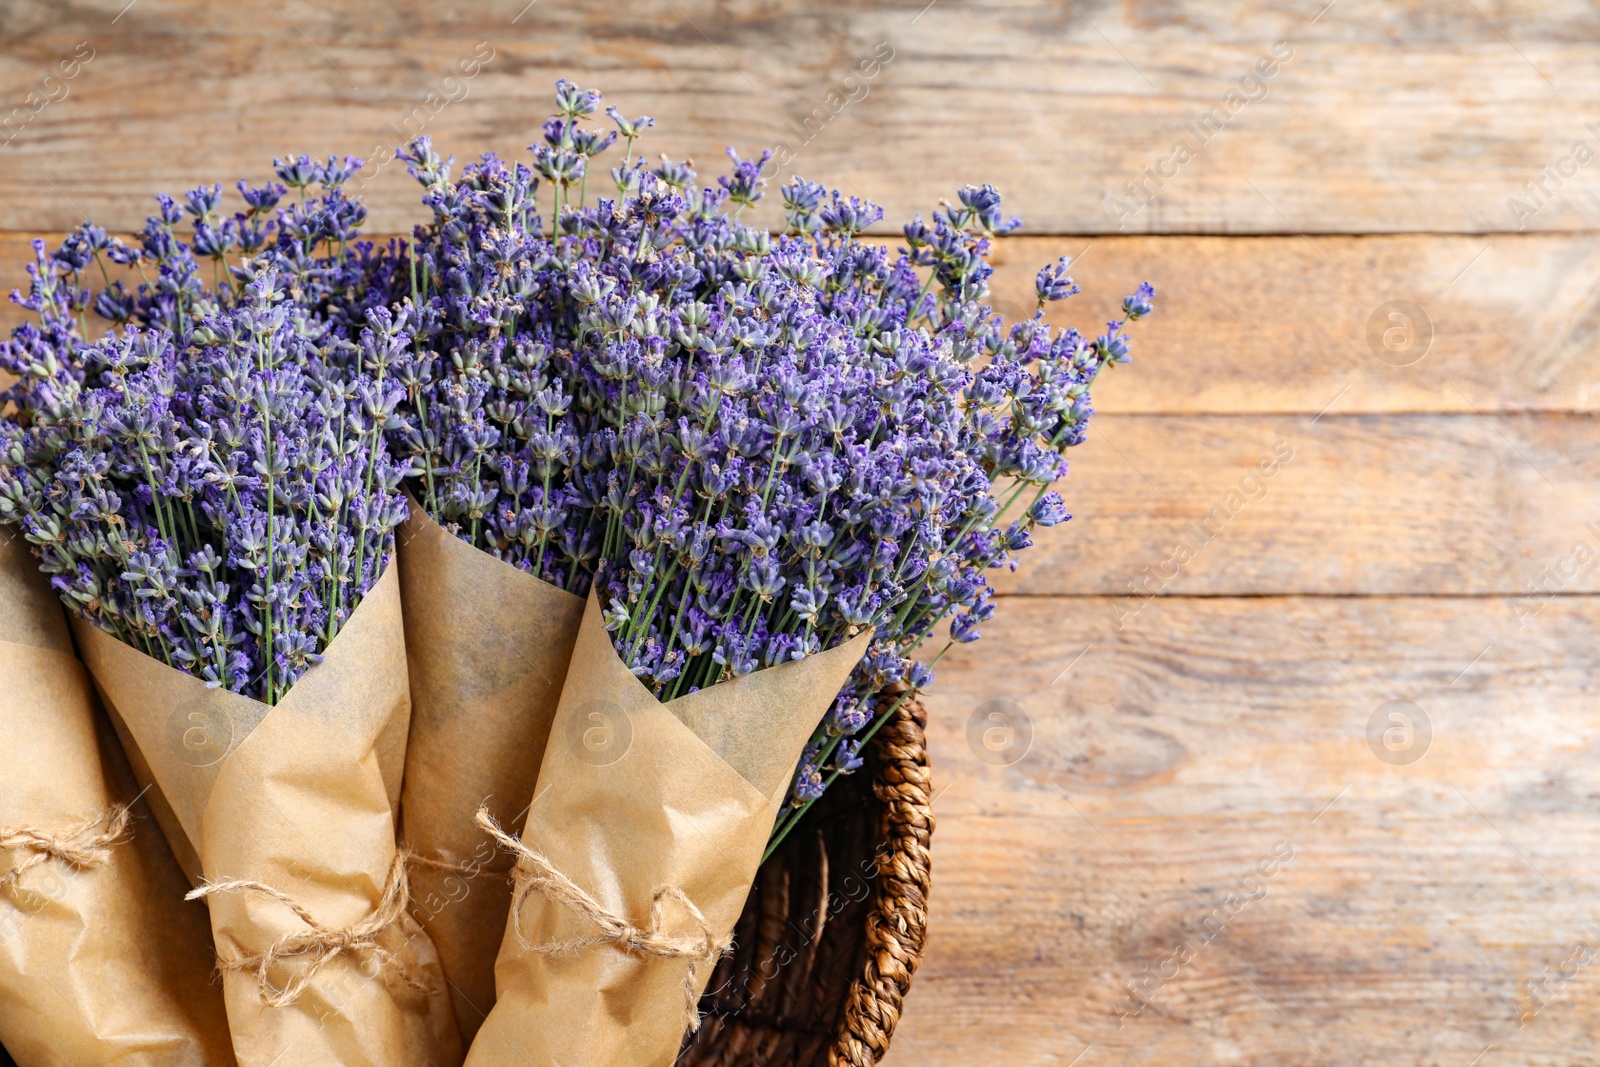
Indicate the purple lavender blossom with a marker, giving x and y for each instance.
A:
(1055, 283)
(209, 480)
(754, 446)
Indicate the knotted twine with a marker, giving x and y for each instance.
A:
(535, 873)
(86, 845)
(319, 945)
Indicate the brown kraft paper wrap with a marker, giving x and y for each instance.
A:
(298, 798)
(101, 961)
(635, 795)
(488, 646)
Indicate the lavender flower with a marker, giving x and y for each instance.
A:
(754, 446)
(209, 480)
(1054, 283)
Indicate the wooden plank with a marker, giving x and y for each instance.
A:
(1173, 757)
(1286, 324)
(1480, 502)
(1281, 325)
(1491, 505)
(1385, 118)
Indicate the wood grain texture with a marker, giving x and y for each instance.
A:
(1373, 504)
(1174, 755)
(1485, 498)
(1420, 543)
(1387, 117)
(1281, 324)
(1288, 324)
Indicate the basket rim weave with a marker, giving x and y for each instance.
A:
(897, 925)
(839, 991)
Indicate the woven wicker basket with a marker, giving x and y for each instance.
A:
(834, 927)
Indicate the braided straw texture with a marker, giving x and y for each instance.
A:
(835, 924)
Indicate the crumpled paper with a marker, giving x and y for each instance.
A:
(104, 964)
(301, 797)
(488, 646)
(634, 795)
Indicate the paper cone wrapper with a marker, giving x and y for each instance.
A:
(488, 646)
(635, 794)
(104, 964)
(301, 797)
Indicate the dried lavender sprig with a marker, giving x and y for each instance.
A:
(792, 815)
(680, 340)
(207, 481)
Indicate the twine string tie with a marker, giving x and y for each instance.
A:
(534, 873)
(318, 945)
(81, 847)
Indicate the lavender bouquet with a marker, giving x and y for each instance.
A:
(854, 451)
(491, 582)
(209, 489)
(774, 464)
(102, 960)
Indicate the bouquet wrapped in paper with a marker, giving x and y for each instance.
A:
(209, 489)
(100, 959)
(488, 646)
(492, 595)
(771, 464)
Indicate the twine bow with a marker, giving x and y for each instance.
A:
(319, 945)
(535, 873)
(86, 845)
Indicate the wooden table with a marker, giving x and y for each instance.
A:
(1205, 852)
